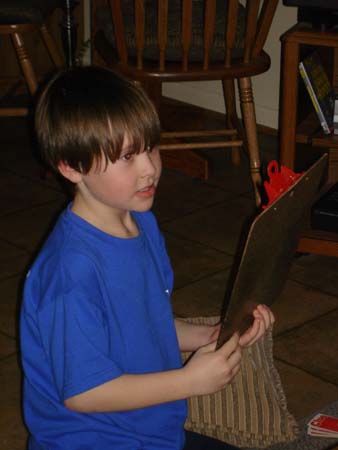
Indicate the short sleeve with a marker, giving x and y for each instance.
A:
(74, 333)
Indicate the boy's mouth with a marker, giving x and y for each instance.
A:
(148, 191)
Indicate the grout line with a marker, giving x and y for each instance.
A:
(203, 208)
(28, 208)
(14, 338)
(189, 213)
(18, 247)
(307, 322)
(9, 356)
(201, 244)
(204, 277)
(21, 275)
(33, 181)
(313, 288)
(305, 371)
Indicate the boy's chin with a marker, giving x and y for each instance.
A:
(147, 206)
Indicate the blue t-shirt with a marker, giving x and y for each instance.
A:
(96, 307)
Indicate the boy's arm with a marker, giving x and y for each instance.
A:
(207, 371)
(191, 336)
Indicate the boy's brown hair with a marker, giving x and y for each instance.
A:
(84, 114)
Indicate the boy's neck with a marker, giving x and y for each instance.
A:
(119, 224)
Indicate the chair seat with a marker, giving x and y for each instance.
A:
(26, 12)
(174, 45)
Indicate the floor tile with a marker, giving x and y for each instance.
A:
(13, 434)
(8, 345)
(202, 298)
(317, 271)
(178, 195)
(19, 158)
(234, 179)
(30, 227)
(192, 261)
(218, 226)
(21, 193)
(13, 260)
(10, 301)
(299, 304)
(304, 392)
(312, 347)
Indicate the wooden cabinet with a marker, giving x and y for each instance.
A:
(294, 130)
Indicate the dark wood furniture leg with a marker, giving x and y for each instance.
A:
(231, 115)
(289, 103)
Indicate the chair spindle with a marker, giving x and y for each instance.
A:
(209, 28)
(231, 26)
(162, 25)
(251, 28)
(139, 31)
(186, 32)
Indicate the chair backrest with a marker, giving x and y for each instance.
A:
(190, 33)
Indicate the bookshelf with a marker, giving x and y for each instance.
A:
(294, 131)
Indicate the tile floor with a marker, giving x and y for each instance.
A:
(201, 222)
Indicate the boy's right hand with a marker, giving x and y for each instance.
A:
(209, 371)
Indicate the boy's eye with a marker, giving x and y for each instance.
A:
(127, 156)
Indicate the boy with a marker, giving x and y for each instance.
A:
(100, 348)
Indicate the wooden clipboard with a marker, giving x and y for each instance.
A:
(265, 258)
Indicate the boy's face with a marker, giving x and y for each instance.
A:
(129, 184)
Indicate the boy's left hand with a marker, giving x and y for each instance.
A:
(263, 319)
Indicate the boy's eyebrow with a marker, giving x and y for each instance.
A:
(128, 149)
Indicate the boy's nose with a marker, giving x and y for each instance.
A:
(148, 167)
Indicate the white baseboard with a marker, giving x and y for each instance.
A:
(209, 95)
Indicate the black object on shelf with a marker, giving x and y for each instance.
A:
(324, 214)
(323, 15)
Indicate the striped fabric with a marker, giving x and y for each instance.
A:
(252, 410)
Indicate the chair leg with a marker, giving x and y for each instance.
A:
(51, 46)
(25, 63)
(249, 117)
(231, 115)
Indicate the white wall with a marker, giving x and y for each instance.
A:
(208, 94)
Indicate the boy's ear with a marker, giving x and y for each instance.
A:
(69, 173)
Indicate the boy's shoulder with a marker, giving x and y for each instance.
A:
(64, 246)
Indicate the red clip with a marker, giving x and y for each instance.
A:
(280, 179)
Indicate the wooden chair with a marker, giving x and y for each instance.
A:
(156, 41)
(17, 19)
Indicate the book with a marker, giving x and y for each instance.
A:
(319, 89)
(335, 117)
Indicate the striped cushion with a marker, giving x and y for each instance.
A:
(252, 410)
